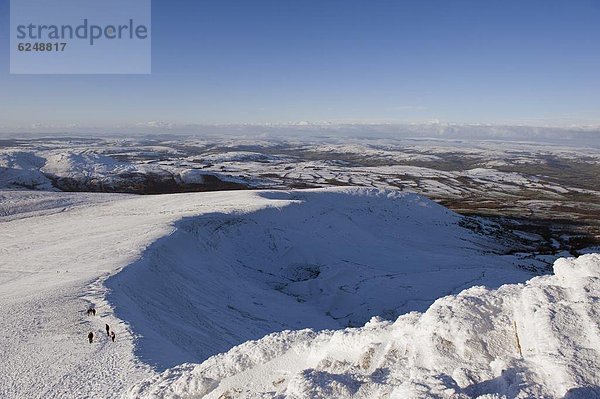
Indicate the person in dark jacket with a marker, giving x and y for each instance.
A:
(91, 337)
(107, 329)
(112, 336)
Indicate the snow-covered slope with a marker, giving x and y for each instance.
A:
(56, 251)
(537, 340)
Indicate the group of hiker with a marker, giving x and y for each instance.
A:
(109, 333)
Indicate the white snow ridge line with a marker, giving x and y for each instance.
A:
(463, 346)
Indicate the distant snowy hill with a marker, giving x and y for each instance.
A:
(23, 169)
(537, 340)
(88, 171)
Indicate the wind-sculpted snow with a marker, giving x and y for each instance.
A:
(535, 340)
(318, 259)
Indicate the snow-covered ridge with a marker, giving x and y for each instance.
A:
(540, 339)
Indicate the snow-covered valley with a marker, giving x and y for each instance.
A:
(183, 277)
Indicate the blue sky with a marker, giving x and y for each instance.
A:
(478, 61)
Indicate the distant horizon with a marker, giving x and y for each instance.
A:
(578, 136)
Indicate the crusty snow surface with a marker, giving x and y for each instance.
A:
(535, 340)
(183, 277)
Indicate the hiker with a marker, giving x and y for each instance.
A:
(91, 311)
(107, 329)
(91, 337)
(112, 336)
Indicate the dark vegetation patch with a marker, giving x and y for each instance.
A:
(143, 183)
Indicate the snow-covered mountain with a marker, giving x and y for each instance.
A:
(182, 277)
